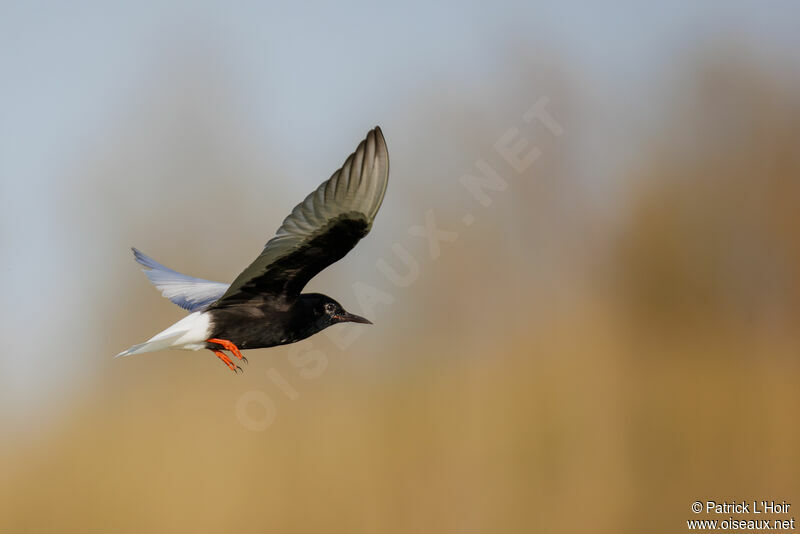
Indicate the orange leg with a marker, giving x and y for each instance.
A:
(227, 361)
(227, 345)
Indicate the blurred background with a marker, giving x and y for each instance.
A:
(613, 337)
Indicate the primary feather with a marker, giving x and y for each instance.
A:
(320, 230)
(190, 293)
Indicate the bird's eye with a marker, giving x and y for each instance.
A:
(330, 308)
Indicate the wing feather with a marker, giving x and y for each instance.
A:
(188, 292)
(321, 229)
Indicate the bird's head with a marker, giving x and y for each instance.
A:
(328, 312)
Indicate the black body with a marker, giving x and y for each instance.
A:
(269, 310)
(267, 321)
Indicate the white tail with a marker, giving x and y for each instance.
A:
(190, 333)
(150, 346)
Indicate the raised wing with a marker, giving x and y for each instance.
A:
(193, 294)
(321, 229)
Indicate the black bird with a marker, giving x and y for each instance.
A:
(264, 306)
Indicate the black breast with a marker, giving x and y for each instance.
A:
(263, 324)
(250, 327)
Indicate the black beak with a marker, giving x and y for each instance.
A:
(351, 318)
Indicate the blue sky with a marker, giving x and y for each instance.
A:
(71, 72)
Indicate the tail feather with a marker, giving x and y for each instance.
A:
(189, 333)
(152, 345)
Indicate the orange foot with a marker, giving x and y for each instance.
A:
(229, 346)
(227, 361)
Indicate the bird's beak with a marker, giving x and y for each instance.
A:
(352, 318)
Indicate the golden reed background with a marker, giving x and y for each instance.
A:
(565, 365)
